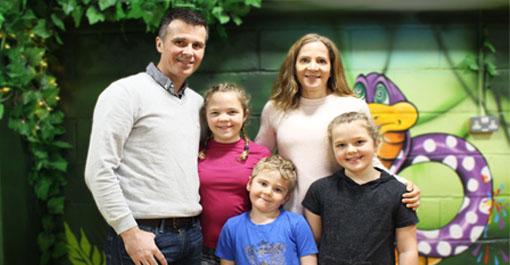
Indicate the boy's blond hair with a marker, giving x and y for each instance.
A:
(276, 163)
(349, 117)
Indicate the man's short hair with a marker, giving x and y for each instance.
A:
(276, 163)
(187, 15)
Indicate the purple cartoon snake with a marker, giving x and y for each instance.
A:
(395, 115)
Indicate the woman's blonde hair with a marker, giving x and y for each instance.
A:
(243, 98)
(287, 90)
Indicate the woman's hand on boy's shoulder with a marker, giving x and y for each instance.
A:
(412, 197)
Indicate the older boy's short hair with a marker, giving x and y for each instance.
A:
(277, 163)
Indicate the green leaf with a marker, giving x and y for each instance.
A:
(62, 144)
(59, 250)
(491, 69)
(58, 22)
(86, 2)
(45, 240)
(68, 6)
(94, 16)
(254, 3)
(59, 40)
(59, 164)
(1, 110)
(470, 62)
(40, 153)
(97, 256)
(237, 20)
(2, 19)
(84, 243)
(119, 11)
(135, 10)
(41, 188)
(77, 14)
(104, 4)
(218, 13)
(487, 44)
(41, 30)
(56, 205)
(19, 126)
(70, 237)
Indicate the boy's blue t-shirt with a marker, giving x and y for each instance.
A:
(282, 241)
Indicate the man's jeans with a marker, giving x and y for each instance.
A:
(179, 246)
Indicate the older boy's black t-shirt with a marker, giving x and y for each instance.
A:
(358, 221)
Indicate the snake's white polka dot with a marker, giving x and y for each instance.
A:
(460, 249)
(450, 161)
(485, 206)
(486, 174)
(444, 248)
(456, 231)
(429, 145)
(471, 217)
(424, 247)
(476, 232)
(469, 147)
(431, 234)
(400, 155)
(451, 141)
(468, 163)
(420, 159)
(472, 185)
(465, 203)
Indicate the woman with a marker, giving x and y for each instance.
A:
(309, 92)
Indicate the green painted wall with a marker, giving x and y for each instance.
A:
(419, 52)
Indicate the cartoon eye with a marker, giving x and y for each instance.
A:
(381, 94)
(360, 91)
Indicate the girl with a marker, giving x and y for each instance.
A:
(225, 162)
(360, 203)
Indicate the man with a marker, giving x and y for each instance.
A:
(142, 160)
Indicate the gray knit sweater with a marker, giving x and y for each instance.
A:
(142, 158)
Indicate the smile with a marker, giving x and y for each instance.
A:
(312, 76)
(354, 159)
(185, 61)
(224, 127)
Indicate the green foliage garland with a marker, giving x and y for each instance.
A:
(29, 93)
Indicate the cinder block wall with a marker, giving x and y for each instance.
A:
(420, 53)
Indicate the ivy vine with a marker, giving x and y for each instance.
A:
(484, 63)
(29, 93)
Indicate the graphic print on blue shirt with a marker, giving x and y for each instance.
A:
(266, 253)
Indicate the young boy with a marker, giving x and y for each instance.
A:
(268, 234)
(356, 214)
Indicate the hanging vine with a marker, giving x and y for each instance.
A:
(29, 93)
